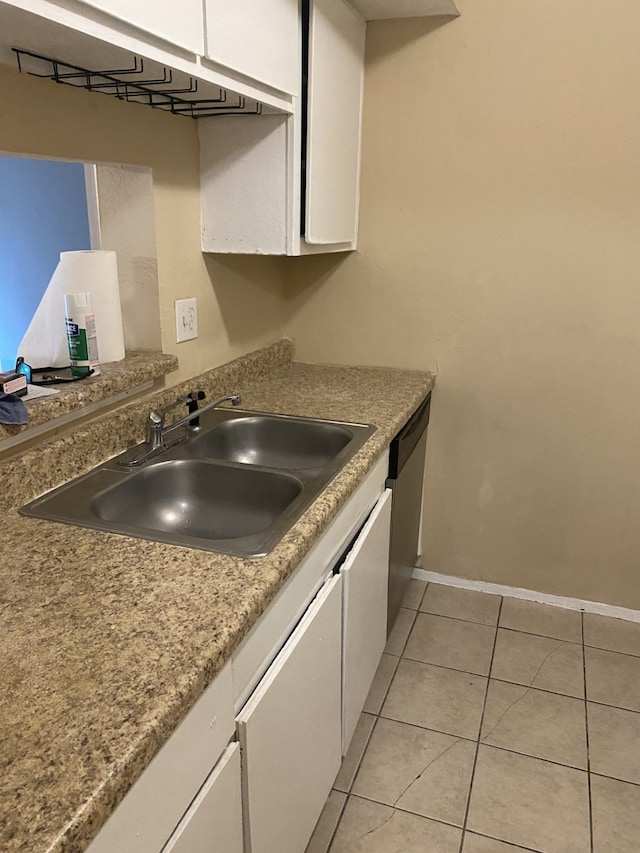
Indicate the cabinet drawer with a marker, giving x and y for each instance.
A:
(213, 823)
(149, 813)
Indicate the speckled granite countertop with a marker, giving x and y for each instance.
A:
(135, 369)
(108, 641)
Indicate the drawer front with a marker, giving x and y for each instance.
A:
(213, 823)
(149, 813)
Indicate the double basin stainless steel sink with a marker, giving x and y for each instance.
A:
(235, 484)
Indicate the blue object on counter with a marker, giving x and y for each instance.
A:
(12, 410)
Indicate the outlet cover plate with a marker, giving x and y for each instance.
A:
(186, 319)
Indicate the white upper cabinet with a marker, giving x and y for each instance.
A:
(260, 195)
(336, 71)
(256, 38)
(168, 36)
(177, 23)
(373, 10)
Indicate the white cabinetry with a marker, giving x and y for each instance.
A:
(149, 813)
(263, 642)
(213, 823)
(374, 10)
(255, 183)
(108, 34)
(177, 23)
(336, 71)
(290, 732)
(257, 38)
(299, 681)
(365, 580)
(299, 720)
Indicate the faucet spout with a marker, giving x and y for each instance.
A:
(157, 431)
(234, 399)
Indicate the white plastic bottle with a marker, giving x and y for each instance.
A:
(81, 334)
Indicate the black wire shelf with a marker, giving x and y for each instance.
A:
(158, 92)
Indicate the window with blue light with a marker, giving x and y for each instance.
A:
(43, 211)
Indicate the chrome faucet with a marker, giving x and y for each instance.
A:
(157, 431)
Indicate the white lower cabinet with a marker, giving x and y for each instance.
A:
(157, 802)
(213, 823)
(303, 673)
(291, 732)
(365, 574)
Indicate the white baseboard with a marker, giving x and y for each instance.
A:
(530, 595)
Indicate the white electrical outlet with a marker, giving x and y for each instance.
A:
(186, 319)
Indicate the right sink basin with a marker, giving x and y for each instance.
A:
(273, 442)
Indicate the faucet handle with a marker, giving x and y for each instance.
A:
(192, 402)
(193, 398)
(155, 422)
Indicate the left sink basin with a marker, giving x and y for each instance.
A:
(200, 500)
(195, 503)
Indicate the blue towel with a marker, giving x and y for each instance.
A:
(12, 410)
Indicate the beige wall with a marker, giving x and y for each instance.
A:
(39, 118)
(500, 248)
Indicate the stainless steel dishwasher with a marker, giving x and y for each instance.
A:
(406, 472)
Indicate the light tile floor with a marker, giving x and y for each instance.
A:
(493, 726)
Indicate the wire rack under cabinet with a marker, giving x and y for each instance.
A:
(129, 84)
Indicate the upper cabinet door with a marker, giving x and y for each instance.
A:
(336, 71)
(258, 38)
(181, 24)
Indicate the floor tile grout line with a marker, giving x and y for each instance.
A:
(429, 729)
(457, 618)
(511, 843)
(405, 810)
(338, 822)
(586, 727)
(361, 759)
(386, 692)
(477, 750)
(516, 630)
(497, 746)
(534, 757)
(504, 680)
(557, 607)
(424, 592)
(615, 779)
(615, 707)
(612, 651)
(411, 627)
